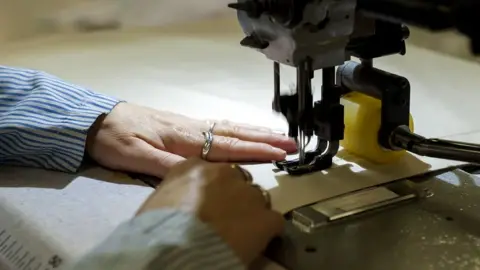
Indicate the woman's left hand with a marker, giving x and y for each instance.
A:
(143, 140)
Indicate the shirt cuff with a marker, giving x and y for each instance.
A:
(166, 239)
(94, 106)
(45, 120)
(73, 132)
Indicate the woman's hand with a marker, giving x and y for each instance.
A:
(143, 140)
(220, 195)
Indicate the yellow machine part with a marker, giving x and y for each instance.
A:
(362, 123)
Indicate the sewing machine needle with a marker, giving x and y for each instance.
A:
(301, 147)
(301, 91)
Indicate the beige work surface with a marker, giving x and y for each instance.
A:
(200, 70)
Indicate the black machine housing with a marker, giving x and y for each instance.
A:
(324, 34)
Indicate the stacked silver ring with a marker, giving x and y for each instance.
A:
(246, 174)
(249, 179)
(265, 194)
(207, 145)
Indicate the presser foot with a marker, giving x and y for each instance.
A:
(314, 161)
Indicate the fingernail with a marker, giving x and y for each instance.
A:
(292, 149)
(279, 151)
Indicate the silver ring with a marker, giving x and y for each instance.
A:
(208, 144)
(265, 194)
(246, 174)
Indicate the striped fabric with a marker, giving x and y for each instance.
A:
(44, 121)
(164, 239)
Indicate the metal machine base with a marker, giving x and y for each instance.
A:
(434, 225)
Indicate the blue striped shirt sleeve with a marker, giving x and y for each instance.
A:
(44, 121)
(166, 239)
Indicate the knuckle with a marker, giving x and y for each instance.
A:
(235, 129)
(125, 147)
(172, 136)
(231, 145)
(227, 129)
(125, 140)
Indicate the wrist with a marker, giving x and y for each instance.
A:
(93, 132)
(95, 128)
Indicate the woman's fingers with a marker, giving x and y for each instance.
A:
(141, 157)
(255, 134)
(246, 126)
(223, 149)
(228, 149)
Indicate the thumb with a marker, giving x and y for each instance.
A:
(143, 158)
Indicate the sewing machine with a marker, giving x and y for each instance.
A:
(322, 35)
(366, 111)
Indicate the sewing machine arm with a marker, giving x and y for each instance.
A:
(314, 34)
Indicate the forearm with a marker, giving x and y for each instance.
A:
(44, 121)
(163, 239)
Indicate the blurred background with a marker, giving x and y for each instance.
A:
(24, 19)
(21, 19)
(449, 43)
